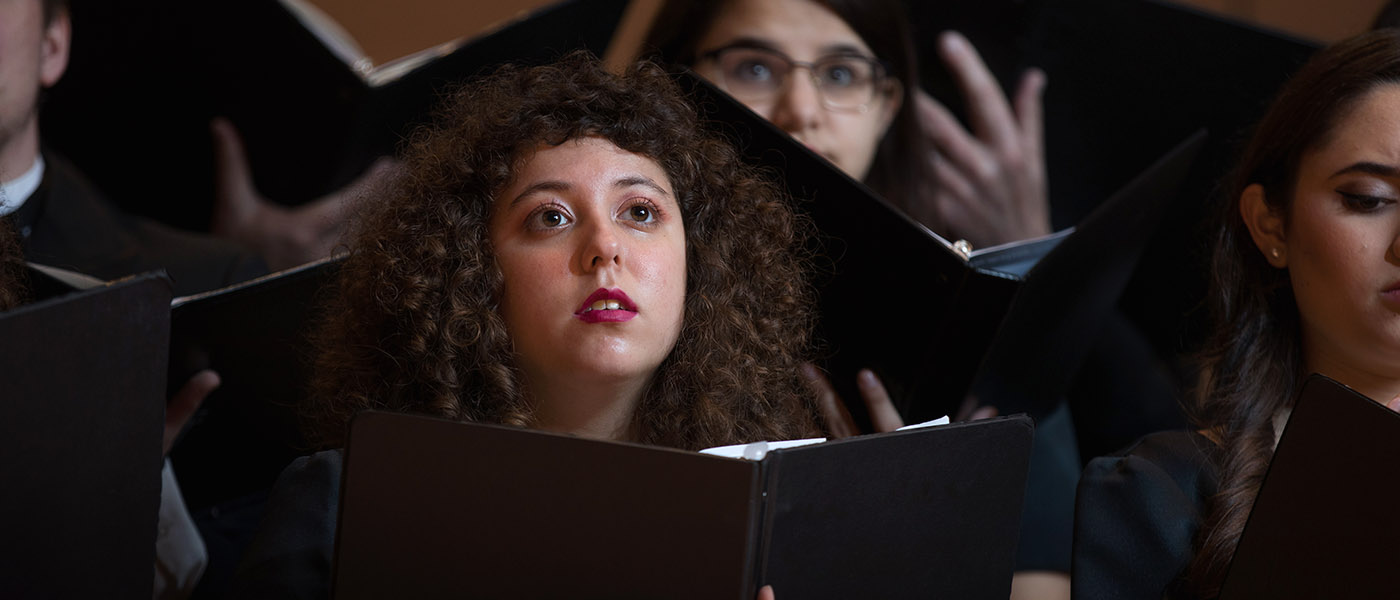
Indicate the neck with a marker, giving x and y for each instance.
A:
(1381, 386)
(600, 410)
(19, 149)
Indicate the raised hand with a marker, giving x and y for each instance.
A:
(284, 237)
(989, 184)
(883, 415)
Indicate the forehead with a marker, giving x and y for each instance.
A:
(582, 162)
(802, 29)
(1368, 132)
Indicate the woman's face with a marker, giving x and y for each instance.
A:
(1341, 245)
(590, 241)
(805, 32)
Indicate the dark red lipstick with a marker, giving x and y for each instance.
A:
(607, 306)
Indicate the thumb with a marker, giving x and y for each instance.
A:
(1394, 404)
(235, 199)
(181, 406)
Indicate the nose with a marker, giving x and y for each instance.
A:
(1395, 247)
(601, 247)
(799, 107)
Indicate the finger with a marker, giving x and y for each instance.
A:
(988, 110)
(1394, 404)
(336, 204)
(965, 153)
(952, 182)
(234, 198)
(985, 412)
(1029, 112)
(838, 420)
(883, 415)
(766, 593)
(182, 405)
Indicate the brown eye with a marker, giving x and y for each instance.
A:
(1363, 203)
(639, 213)
(552, 218)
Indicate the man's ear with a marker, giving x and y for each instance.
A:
(1265, 225)
(53, 57)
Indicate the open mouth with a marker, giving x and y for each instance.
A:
(607, 306)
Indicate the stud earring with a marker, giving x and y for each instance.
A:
(1274, 253)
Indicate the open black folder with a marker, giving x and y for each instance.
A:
(432, 508)
(1060, 310)
(82, 399)
(1324, 524)
(146, 77)
(897, 298)
(256, 336)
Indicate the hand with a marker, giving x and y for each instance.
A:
(766, 593)
(883, 415)
(182, 405)
(972, 410)
(284, 237)
(988, 188)
(1394, 404)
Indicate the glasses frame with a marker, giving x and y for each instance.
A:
(880, 71)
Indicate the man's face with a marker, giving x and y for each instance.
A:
(33, 55)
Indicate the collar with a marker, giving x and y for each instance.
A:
(15, 192)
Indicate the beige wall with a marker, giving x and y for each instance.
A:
(389, 29)
(1321, 20)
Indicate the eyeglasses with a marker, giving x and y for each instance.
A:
(844, 82)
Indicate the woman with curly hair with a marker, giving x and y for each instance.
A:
(1306, 279)
(566, 250)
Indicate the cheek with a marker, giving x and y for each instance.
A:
(526, 283)
(666, 276)
(859, 138)
(1335, 265)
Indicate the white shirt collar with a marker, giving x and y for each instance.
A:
(15, 192)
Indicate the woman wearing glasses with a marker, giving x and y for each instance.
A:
(841, 77)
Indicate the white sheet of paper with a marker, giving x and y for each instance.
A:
(758, 450)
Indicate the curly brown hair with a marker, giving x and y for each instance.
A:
(414, 326)
(1252, 367)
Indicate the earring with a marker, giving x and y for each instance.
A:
(1274, 253)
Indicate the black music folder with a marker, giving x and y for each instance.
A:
(1128, 80)
(928, 314)
(1060, 310)
(82, 404)
(256, 336)
(1324, 524)
(432, 508)
(894, 296)
(147, 76)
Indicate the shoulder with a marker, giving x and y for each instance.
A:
(1137, 513)
(80, 229)
(1181, 459)
(290, 555)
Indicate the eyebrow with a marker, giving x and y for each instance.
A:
(745, 42)
(844, 49)
(837, 49)
(1369, 168)
(555, 185)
